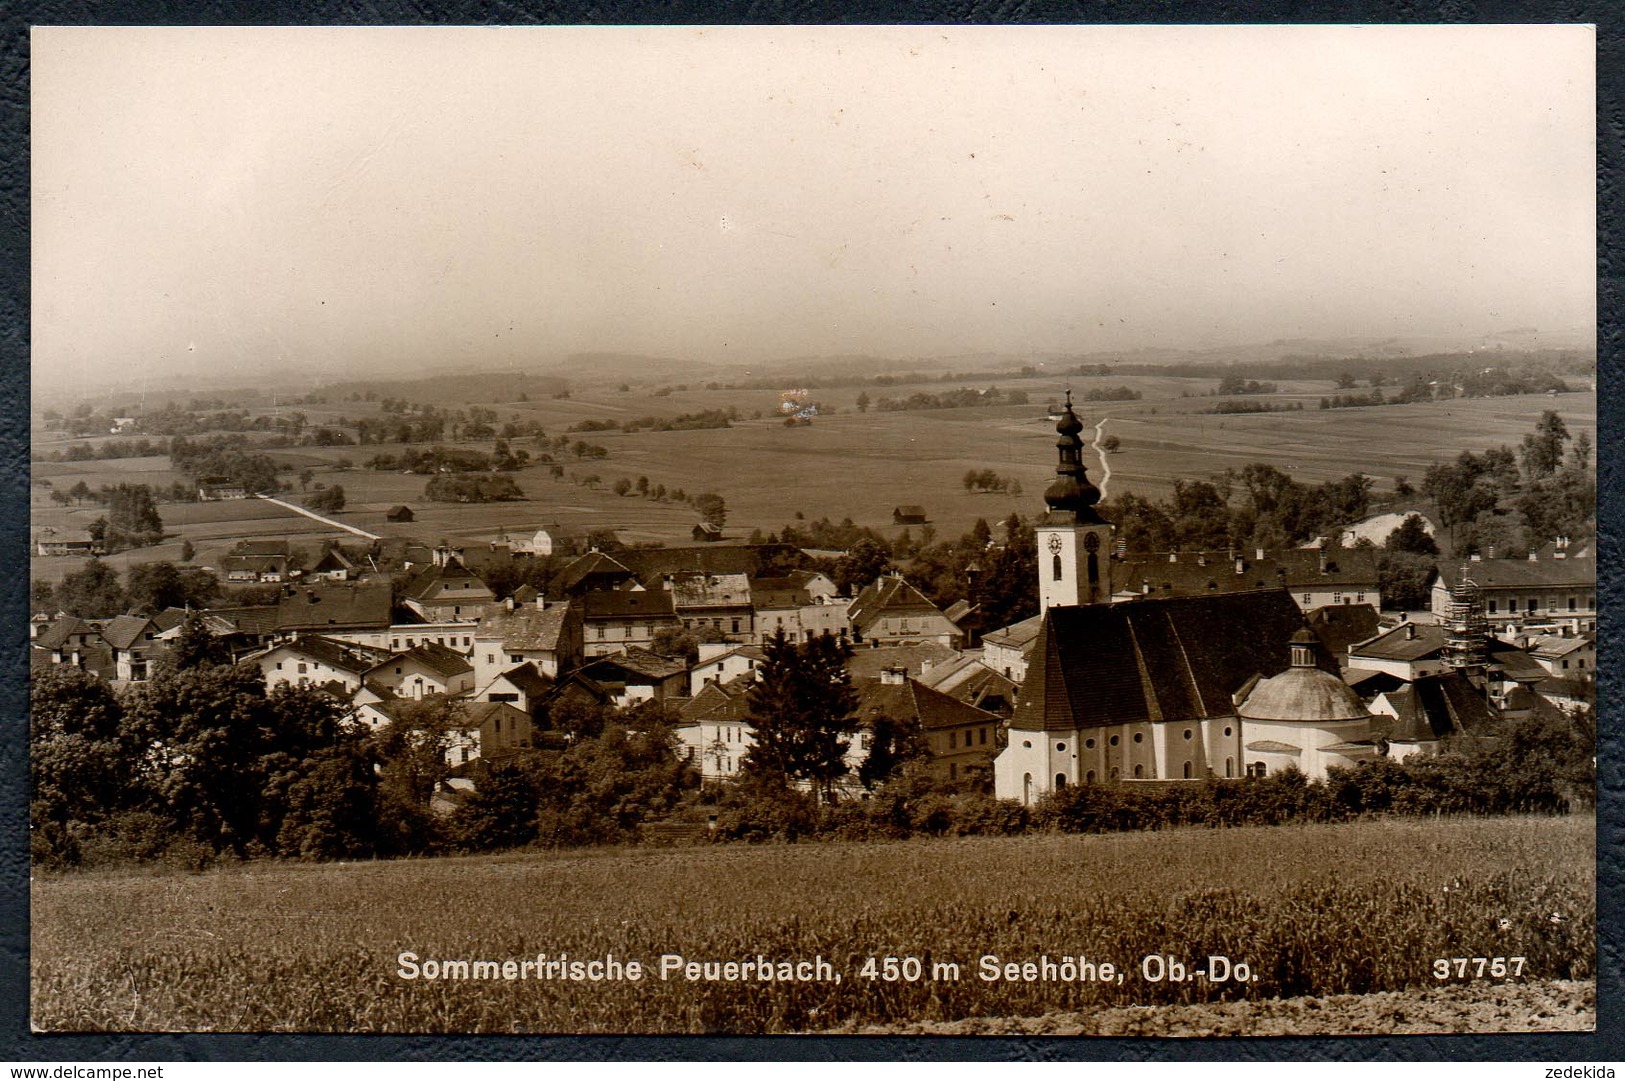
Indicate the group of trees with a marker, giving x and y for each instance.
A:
(952, 399)
(226, 456)
(1515, 501)
(1235, 384)
(1256, 506)
(472, 488)
(95, 591)
(986, 480)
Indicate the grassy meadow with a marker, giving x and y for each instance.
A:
(1356, 908)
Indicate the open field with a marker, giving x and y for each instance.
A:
(859, 465)
(1364, 908)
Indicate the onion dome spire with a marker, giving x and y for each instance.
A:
(1071, 489)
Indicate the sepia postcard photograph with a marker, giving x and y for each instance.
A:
(869, 530)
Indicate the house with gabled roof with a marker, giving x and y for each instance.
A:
(319, 607)
(624, 619)
(962, 739)
(242, 567)
(714, 728)
(547, 634)
(422, 671)
(1315, 577)
(78, 643)
(334, 565)
(637, 675)
(487, 730)
(1005, 650)
(593, 572)
(790, 604)
(970, 679)
(314, 660)
(891, 611)
(1417, 717)
(447, 590)
(718, 602)
(722, 662)
(523, 687)
(135, 643)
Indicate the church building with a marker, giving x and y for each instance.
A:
(1170, 688)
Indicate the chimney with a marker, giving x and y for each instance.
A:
(1534, 556)
(541, 601)
(926, 665)
(1173, 557)
(1476, 558)
(1410, 632)
(1489, 551)
(1321, 552)
(507, 602)
(1201, 559)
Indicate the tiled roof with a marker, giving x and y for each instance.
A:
(258, 619)
(332, 604)
(716, 703)
(125, 631)
(258, 564)
(710, 590)
(525, 629)
(450, 584)
(343, 656)
(777, 593)
(867, 662)
(1195, 573)
(652, 565)
(441, 660)
(1275, 746)
(1513, 662)
(65, 627)
(1341, 625)
(592, 564)
(1575, 571)
(1406, 642)
(1177, 658)
(912, 700)
(628, 604)
(1434, 707)
(638, 662)
(889, 595)
(969, 679)
(528, 679)
(170, 618)
(479, 714)
(1016, 635)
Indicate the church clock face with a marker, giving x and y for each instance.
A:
(1055, 544)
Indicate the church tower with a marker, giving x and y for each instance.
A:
(1074, 542)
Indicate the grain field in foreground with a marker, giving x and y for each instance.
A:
(1356, 909)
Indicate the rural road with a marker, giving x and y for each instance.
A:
(319, 518)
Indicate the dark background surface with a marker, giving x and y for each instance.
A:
(17, 1043)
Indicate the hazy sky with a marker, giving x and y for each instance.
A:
(212, 198)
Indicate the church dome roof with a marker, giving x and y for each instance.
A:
(1302, 694)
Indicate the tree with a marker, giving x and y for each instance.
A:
(1411, 535)
(92, 592)
(132, 516)
(892, 744)
(501, 811)
(1345, 381)
(863, 401)
(80, 492)
(622, 486)
(1111, 444)
(196, 646)
(80, 767)
(328, 500)
(864, 562)
(1542, 450)
(711, 508)
(1403, 579)
(305, 477)
(799, 706)
(188, 552)
(1402, 486)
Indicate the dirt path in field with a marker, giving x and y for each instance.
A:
(1549, 1006)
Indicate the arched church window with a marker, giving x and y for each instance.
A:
(1114, 773)
(1060, 781)
(1055, 567)
(1187, 771)
(1139, 771)
(1229, 767)
(1089, 778)
(1027, 788)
